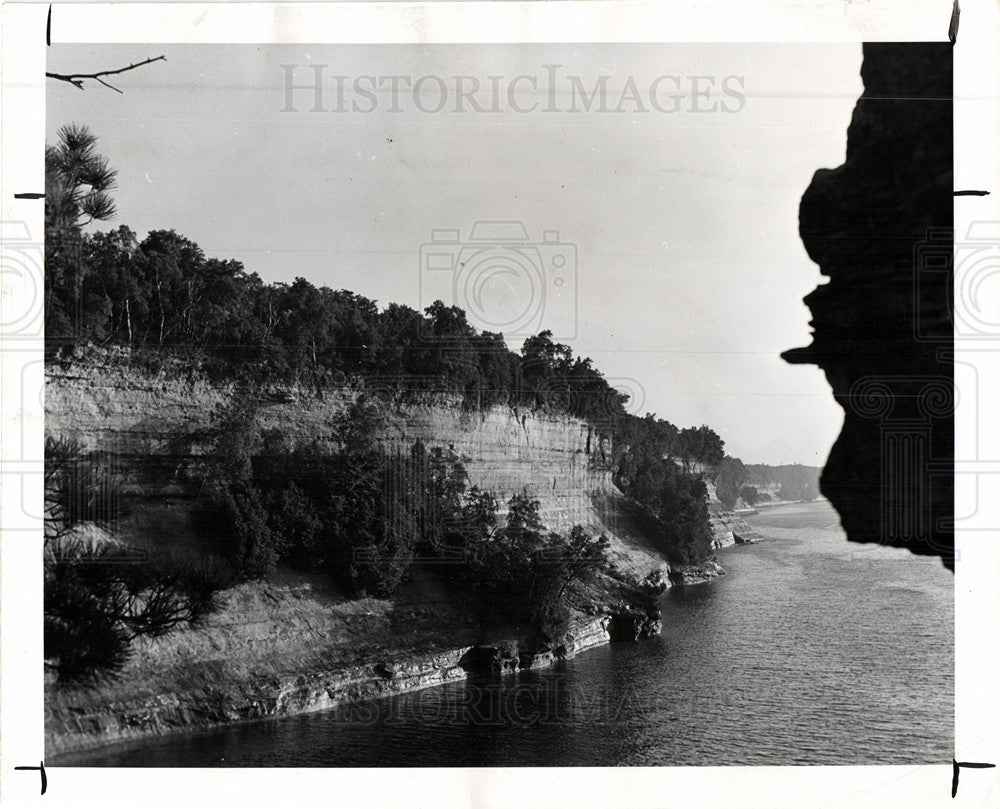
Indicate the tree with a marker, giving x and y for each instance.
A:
(478, 524)
(700, 445)
(560, 563)
(77, 182)
(729, 478)
(174, 271)
(110, 262)
(79, 488)
(544, 368)
(99, 601)
(403, 352)
(233, 512)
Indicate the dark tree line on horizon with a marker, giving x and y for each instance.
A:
(735, 481)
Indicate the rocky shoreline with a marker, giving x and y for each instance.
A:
(74, 727)
(72, 732)
(292, 644)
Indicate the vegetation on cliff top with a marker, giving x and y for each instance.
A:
(161, 295)
(735, 481)
(361, 516)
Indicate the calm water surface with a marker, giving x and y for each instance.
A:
(810, 651)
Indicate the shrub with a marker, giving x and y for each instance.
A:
(672, 508)
(97, 603)
(234, 519)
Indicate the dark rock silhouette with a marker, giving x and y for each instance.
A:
(880, 227)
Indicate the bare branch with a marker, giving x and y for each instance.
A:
(111, 86)
(77, 79)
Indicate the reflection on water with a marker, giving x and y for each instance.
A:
(810, 651)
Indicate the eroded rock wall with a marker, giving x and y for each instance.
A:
(154, 424)
(71, 729)
(729, 528)
(880, 228)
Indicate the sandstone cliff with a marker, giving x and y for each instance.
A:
(151, 425)
(729, 528)
(294, 642)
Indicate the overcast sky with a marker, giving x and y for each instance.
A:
(677, 266)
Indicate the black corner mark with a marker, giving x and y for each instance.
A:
(29, 195)
(972, 193)
(41, 769)
(953, 25)
(48, 27)
(955, 767)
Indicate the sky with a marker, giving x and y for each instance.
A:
(662, 222)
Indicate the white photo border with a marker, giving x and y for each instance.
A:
(977, 570)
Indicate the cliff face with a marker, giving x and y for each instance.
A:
(729, 528)
(294, 642)
(789, 483)
(151, 425)
(880, 227)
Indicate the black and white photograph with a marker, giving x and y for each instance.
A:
(407, 405)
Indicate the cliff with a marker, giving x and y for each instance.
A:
(788, 483)
(880, 227)
(729, 528)
(151, 425)
(295, 642)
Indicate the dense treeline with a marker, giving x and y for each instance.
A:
(735, 480)
(163, 293)
(354, 513)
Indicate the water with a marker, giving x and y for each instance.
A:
(810, 651)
